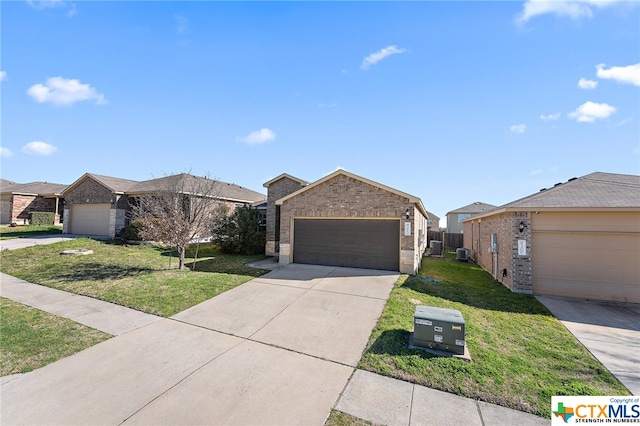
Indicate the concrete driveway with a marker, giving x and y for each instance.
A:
(18, 243)
(610, 331)
(276, 350)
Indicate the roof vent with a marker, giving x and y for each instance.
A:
(559, 183)
(573, 178)
(543, 189)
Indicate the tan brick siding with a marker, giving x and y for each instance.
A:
(477, 238)
(22, 205)
(280, 188)
(89, 190)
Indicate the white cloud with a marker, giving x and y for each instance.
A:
(550, 117)
(63, 91)
(38, 148)
(589, 112)
(574, 9)
(5, 152)
(629, 74)
(259, 136)
(50, 4)
(376, 57)
(518, 129)
(3, 75)
(583, 83)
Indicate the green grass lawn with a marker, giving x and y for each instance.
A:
(7, 232)
(338, 418)
(521, 354)
(140, 277)
(31, 338)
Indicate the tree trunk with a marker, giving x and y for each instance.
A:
(181, 251)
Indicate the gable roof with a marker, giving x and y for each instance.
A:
(113, 184)
(35, 188)
(285, 175)
(595, 191)
(473, 208)
(4, 184)
(411, 198)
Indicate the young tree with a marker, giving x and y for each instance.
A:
(177, 209)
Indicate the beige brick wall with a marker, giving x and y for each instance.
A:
(22, 205)
(346, 197)
(477, 238)
(278, 189)
(89, 190)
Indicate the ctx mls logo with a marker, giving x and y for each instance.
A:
(564, 412)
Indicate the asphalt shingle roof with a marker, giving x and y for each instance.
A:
(113, 183)
(595, 190)
(37, 188)
(474, 208)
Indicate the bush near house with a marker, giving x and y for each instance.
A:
(41, 218)
(240, 232)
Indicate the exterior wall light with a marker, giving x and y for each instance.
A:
(407, 213)
(522, 226)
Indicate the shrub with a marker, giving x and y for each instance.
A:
(240, 232)
(41, 218)
(131, 232)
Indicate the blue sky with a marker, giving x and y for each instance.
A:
(454, 102)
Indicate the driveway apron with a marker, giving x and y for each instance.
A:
(276, 350)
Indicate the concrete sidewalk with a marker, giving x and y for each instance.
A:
(107, 317)
(18, 243)
(280, 349)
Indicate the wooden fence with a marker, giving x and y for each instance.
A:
(450, 242)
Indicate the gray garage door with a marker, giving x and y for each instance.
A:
(372, 244)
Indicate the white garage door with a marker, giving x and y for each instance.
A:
(90, 219)
(596, 264)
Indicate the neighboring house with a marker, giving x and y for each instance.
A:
(100, 205)
(455, 217)
(17, 200)
(345, 220)
(433, 222)
(577, 239)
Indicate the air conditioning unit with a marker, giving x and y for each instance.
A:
(439, 328)
(462, 255)
(436, 248)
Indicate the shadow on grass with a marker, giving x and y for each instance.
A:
(227, 264)
(97, 271)
(394, 342)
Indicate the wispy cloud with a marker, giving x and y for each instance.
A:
(5, 152)
(3, 75)
(381, 54)
(550, 117)
(64, 92)
(629, 74)
(331, 105)
(583, 83)
(518, 129)
(538, 172)
(573, 9)
(589, 112)
(258, 137)
(50, 4)
(39, 148)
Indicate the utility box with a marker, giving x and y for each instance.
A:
(439, 328)
(436, 248)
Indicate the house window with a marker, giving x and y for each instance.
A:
(463, 216)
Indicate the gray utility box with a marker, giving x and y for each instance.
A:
(436, 248)
(439, 328)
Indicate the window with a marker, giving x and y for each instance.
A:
(463, 216)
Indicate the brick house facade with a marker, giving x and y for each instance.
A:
(343, 195)
(18, 200)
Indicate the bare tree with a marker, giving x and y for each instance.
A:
(177, 209)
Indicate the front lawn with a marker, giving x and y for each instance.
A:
(7, 232)
(522, 355)
(31, 338)
(141, 277)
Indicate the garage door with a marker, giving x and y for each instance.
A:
(587, 265)
(90, 219)
(5, 210)
(372, 244)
